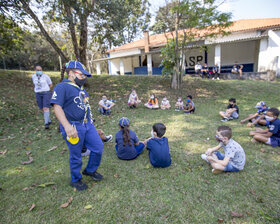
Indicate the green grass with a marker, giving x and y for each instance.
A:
(186, 192)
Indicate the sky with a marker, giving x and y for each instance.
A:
(240, 9)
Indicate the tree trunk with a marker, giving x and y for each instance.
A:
(72, 30)
(83, 38)
(174, 81)
(28, 10)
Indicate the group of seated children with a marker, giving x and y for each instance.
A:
(205, 72)
(188, 107)
(237, 69)
(128, 146)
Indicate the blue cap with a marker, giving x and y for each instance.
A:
(124, 122)
(77, 65)
(260, 104)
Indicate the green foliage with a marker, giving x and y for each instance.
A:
(168, 58)
(11, 35)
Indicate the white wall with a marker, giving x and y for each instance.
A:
(269, 55)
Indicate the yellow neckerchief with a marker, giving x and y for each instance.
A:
(86, 102)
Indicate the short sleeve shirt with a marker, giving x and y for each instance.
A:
(235, 106)
(165, 103)
(274, 128)
(106, 104)
(72, 99)
(41, 84)
(235, 153)
(132, 97)
(197, 67)
(126, 152)
(159, 152)
(263, 110)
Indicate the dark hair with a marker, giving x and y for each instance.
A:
(225, 131)
(274, 111)
(160, 129)
(232, 100)
(189, 96)
(126, 137)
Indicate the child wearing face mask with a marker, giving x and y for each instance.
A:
(233, 160)
(189, 108)
(158, 147)
(165, 104)
(232, 111)
(259, 117)
(128, 146)
(179, 104)
(271, 135)
(152, 102)
(105, 105)
(133, 99)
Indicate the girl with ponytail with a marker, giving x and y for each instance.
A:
(128, 146)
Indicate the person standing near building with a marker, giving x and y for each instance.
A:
(42, 86)
(197, 69)
(72, 109)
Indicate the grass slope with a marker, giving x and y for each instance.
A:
(132, 191)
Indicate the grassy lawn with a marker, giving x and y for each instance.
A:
(133, 191)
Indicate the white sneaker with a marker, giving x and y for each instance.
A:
(204, 157)
(108, 138)
(218, 78)
(86, 153)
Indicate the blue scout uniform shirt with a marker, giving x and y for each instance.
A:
(192, 103)
(126, 152)
(159, 152)
(235, 106)
(274, 127)
(72, 99)
(263, 110)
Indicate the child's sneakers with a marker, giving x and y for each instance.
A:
(108, 138)
(214, 171)
(204, 157)
(177, 109)
(86, 153)
(225, 119)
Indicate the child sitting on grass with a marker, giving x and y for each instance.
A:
(257, 118)
(133, 99)
(105, 105)
(179, 104)
(152, 102)
(271, 135)
(158, 147)
(128, 146)
(232, 111)
(189, 108)
(234, 158)
(165, 104)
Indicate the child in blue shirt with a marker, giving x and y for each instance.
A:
(257, 118)
(232, 111)
(128, 146)
(189, 108)
(271, 135)
(158, 147)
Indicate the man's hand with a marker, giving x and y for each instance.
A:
(71, 131)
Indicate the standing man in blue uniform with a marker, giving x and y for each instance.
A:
(72, 109)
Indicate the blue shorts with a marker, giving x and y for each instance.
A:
(229, 167)
(43, 99)
(235, 115)
(273, 141)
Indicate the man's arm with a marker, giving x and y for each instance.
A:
(69, 129)
(223, 162)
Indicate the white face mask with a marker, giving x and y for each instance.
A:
(268, 118)
(152, 133)
(152, 97)
(164, 99)
(104, 100)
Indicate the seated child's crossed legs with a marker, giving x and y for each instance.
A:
(217, 166)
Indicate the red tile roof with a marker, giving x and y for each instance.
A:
(237, 26)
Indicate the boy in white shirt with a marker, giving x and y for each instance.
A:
(165, 104)
(105, 105)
